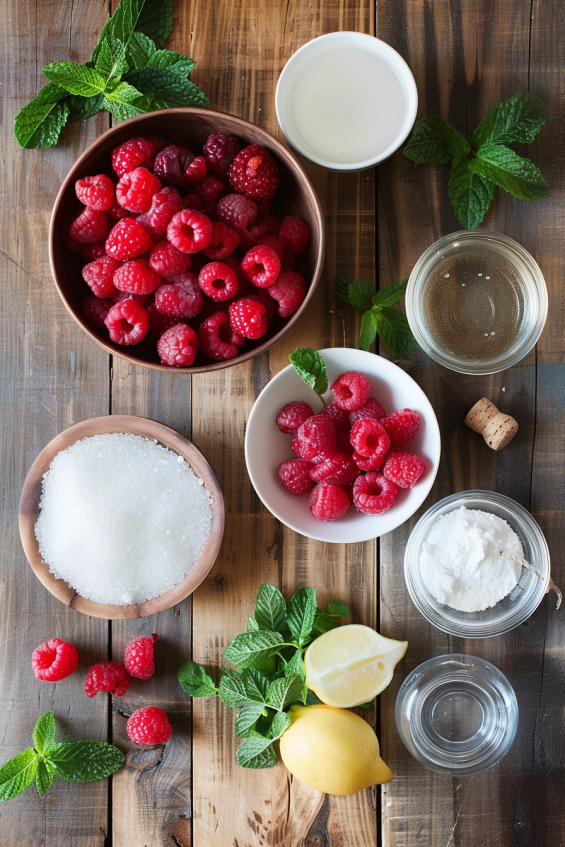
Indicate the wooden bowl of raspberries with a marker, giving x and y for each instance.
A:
(186, 239)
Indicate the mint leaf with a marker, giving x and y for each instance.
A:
(425, 147)
(237, 690)
(246, 717)
(470, 194)
(395, 332)
(151, 17)
(43, 776)
(44, 734)
(296, 666)
(256, 752)
(17, 774)
(40, 122)
(368, 331)
(367, 707)
(75, 78)
(120, 102)
(455, 143)
(141, 48)
(280, 724)
(356, 292)
(156, 20)
(252, 625)
(85, 761)
(512, 172)
(81, 108)
(282, 692)
(324, 622)
(165, 88)
(518, 119)
(195, 681)
(270, 608)
(311, 368)
(166, 58)
(251, 647)
(312, 699)
(338, 607)
(301, 613)
(111, 62)
(390, 294)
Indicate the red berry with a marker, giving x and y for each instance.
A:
(118, 212)
(220, 151)
(294, 234)
(254, 172)
(106, 676)
(401, 426)
(343, 444)
(224, 242)
(351, 390)
(209, 190)
(218, 281)
(178, 346)
(293, 415)
(127, 322)
(248, 317)
(149, 726)
(371, 409)
(136, 189)
(236, 211)
(155, 143)
(158, 323)
(99, 276)
(339, 470)
(136, 277)
(172, 163)
(373, 493)
(167, 261)
(294, 476)
(261, 266)
(89, 227)
(192, 201)
(190, 231)
(369, 439)
(316, 437)
(270, 308)
(96, 192)
(289, 291)
(243, 284)
(91, 252)
(127, 240)
(164, 205)
(55, 660)
(339, 416)
(180, 297)
(328, 502)
(95, 310)
(288, 261)
(367, 463)
(404, 469)
(138, 657)
(142, 299)
(217, 339)
(130, 155)
(273, 242)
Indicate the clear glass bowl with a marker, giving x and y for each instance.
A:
(511, 611)
(476, 302)
(457, 714)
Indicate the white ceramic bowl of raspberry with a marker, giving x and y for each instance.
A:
(266, 447)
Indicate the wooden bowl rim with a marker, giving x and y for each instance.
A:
(291, 161)
(29, 510)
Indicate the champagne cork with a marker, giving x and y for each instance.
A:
(497, 429)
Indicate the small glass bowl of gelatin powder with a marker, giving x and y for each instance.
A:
(122, 518)
(476, 302)
(513, 608)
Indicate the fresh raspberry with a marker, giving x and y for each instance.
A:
(190, 231)
(158, 323)
(294, 234)
(404, 469)
(270, 308)
(192, 201)
(195, 172)
(69, 242)
(138, 657)
(167, 261)
(289, 290)
(370, 440)
(127, 240)
(288, 261)
(401, 426)
(180, 297)
(130, 155)
(254, 172)
(343, 444)
(273, 242)
(243, 284)
(339, 470)
(164, 205)
(367, 463)
(251, 236)
(294, 476)
(373, 493)
(316, 437)
(339, 416)
(220, 151)
(89, 227)
(99, 276)
(127, 322)
(224, 242)
(91, 252)
(218, 281)
(210, 190)
(118, 212)
(106, 676)
(328, 502)
(172, 163)
(96, 192)
(155, 143)
(136, 277)
(136, 189)
(293, 415)
(351, 390)
(95, 310)
(237, 211)
(263, 209)
(371, 409)
(217, 339)
(261, 266)
(142, 299)
(149, 726)
(55, 660)
(248, 317)
(178, 346)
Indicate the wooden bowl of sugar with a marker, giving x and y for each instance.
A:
(91, 468)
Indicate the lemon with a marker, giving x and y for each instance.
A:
(351, 664)
(332, 750)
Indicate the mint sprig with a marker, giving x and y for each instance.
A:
(485, 160)
(311, 368)
(128, 74)
(75, 761)
(268, 676)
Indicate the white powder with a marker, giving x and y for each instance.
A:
(122, 518)
(461, 563)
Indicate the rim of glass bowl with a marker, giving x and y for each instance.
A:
(415, 290)
(524, 604)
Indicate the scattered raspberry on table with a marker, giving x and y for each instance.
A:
(55, 660)
(138, 656)
(149, 726)
(106, 676)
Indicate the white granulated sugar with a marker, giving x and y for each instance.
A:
(122, 519)
(461, 563)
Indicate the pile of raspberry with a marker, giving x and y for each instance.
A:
(184, 250)
(350, 452)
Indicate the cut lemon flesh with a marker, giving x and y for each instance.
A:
(351, 664)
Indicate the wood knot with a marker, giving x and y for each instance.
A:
(497, 429)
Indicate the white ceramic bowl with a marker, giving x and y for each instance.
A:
(346, 100)
(266, 447)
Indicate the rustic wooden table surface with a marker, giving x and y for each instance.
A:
(465, 55)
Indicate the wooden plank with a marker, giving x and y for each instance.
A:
(52, 376)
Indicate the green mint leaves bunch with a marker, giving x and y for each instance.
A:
(270, 675)
(486, 158)
(311, 368)
(74, 761)
(128, 74)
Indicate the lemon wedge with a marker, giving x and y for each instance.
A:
(351, 664)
